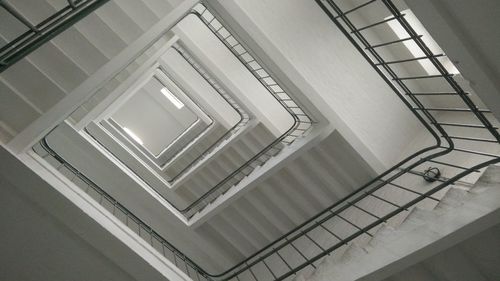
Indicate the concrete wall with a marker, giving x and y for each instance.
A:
(45, 236)
(154, 125)
(196, 87)
(228, 69)
(338, 80)
(36, 246)
(137, 197)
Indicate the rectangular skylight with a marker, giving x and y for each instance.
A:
(133, 135)
(173, 99)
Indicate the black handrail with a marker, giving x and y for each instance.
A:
(244, 117)
(49, 152)
(219, 29)
(301, 125)
(41, 33)
(406, 167)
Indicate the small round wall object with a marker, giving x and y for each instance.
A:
(432, 174)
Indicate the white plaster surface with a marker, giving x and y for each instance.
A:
(423, 233)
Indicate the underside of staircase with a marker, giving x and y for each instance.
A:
(322, 148)
(423, 234)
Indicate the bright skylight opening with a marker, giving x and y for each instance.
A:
(426, 37)
(133, 135)
(173, 99)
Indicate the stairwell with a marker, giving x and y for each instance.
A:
(461, 213)
(326, 173)
(62, 64)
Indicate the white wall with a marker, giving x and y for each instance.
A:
(141, 202)
(339, 81)
(228, 69)
(45, 236)
(156, 126)
(196, 87)
(468, 33)
(35, 246)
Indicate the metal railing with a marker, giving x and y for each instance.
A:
(121, 212)
(42, 32)
(302, 121)
(304, 247)
(301, 124)
(244, 116)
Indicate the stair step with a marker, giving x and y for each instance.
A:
(300, 196)
(119, 21)
(232, 235)
(335, 257)
(100, 35)
(10, 27)
(251, 143)
(17, 76)
(227, 164)
(255, 216)
(328, 176)
(212, 236)
(74, 44)
(280, 196)
(14, 110)
(249, 230)
(34, 16)
(310, 187)
(97, 32)
(378, 238)
(489, 178)
(262, 202)
(454, 197)
(300, 278)
(416, 218)
(142, 15)
(221, 166)
(354, 250)
(328, 189)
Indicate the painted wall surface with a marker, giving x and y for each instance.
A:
(228, 69)
(48, 237)
(476, 21)
(127, 189)
(468, 32)
(343, 83)
(154, 125)
(196, 87)
(35, 246)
